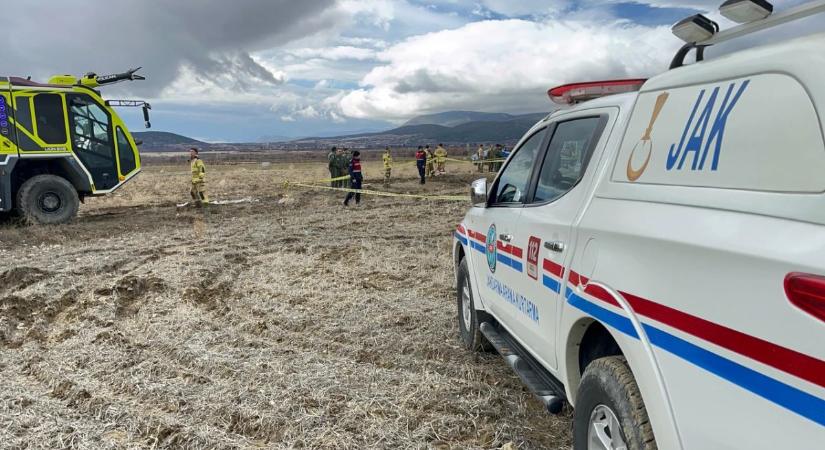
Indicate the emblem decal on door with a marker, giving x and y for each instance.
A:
(645, 145)
(491, 248)
(533, 248)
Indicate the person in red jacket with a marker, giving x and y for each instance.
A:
(421, 162)
(355, 178)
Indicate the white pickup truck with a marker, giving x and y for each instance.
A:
(656, 258)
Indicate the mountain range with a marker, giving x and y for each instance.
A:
(456, 118)
(451, 128)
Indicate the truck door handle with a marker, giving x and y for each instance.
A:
(554, 246)
(505, 237)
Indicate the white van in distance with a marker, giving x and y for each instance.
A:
(656, 258)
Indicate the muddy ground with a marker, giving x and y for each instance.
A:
(289, 322)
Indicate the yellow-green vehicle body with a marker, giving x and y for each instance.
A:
(65, 129)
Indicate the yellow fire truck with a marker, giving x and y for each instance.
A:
(61, 142)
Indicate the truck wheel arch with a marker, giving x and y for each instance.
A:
(64, 166)
(641, 360)
(587, 340)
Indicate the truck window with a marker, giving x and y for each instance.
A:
(566, 159)
(514, 179)
(125, 153)
(23, 114)
(51, 125)
(92, 140)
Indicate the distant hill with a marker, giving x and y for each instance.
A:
(456, 118)
(503, 131)
(162, 140)
(496, 128)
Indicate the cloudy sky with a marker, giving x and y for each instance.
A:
(254, 69)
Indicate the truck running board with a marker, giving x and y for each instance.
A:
(546, 387)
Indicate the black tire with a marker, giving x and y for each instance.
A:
(608, 382)
(47, 200)
(470, 332)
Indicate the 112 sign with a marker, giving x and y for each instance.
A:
(533, 248)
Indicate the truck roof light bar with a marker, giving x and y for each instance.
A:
(746, 11)
(569, 94)
(789, 15)
(770, 21)
(695, 28)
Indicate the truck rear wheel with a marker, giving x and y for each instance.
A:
(468, 317)
(48, 200)
(610, 413)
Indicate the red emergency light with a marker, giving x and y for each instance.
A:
(569, 94)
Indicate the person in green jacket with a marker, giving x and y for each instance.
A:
(343, 167)
(333, 165)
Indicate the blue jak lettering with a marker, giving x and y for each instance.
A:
(699, 142)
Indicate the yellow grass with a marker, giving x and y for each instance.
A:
(288, 322)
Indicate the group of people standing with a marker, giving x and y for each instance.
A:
(345, 168)
(342, 163)
(430, 163)
(338, 163)
(489, 159)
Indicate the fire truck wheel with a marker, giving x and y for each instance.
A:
(468, 317)
(48, 200)
(610, 413)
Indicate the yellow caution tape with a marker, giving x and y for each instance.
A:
(482, 161)
(329, 180)
(461, 198)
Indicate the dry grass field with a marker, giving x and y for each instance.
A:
(288, 322)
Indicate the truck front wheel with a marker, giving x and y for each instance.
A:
(468, 317)
(47, 200)
(610, 413)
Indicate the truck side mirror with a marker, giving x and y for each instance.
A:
(478, 193)
(146, 116)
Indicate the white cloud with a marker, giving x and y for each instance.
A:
(378, 13)
(503, 65)
(513, 8)
(338, 53)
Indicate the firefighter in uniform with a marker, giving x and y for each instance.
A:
(430, 162)
(440, 159)
(198, 191)
(387, 166)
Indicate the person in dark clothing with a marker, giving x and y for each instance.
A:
(421, 162)
(355, 178)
